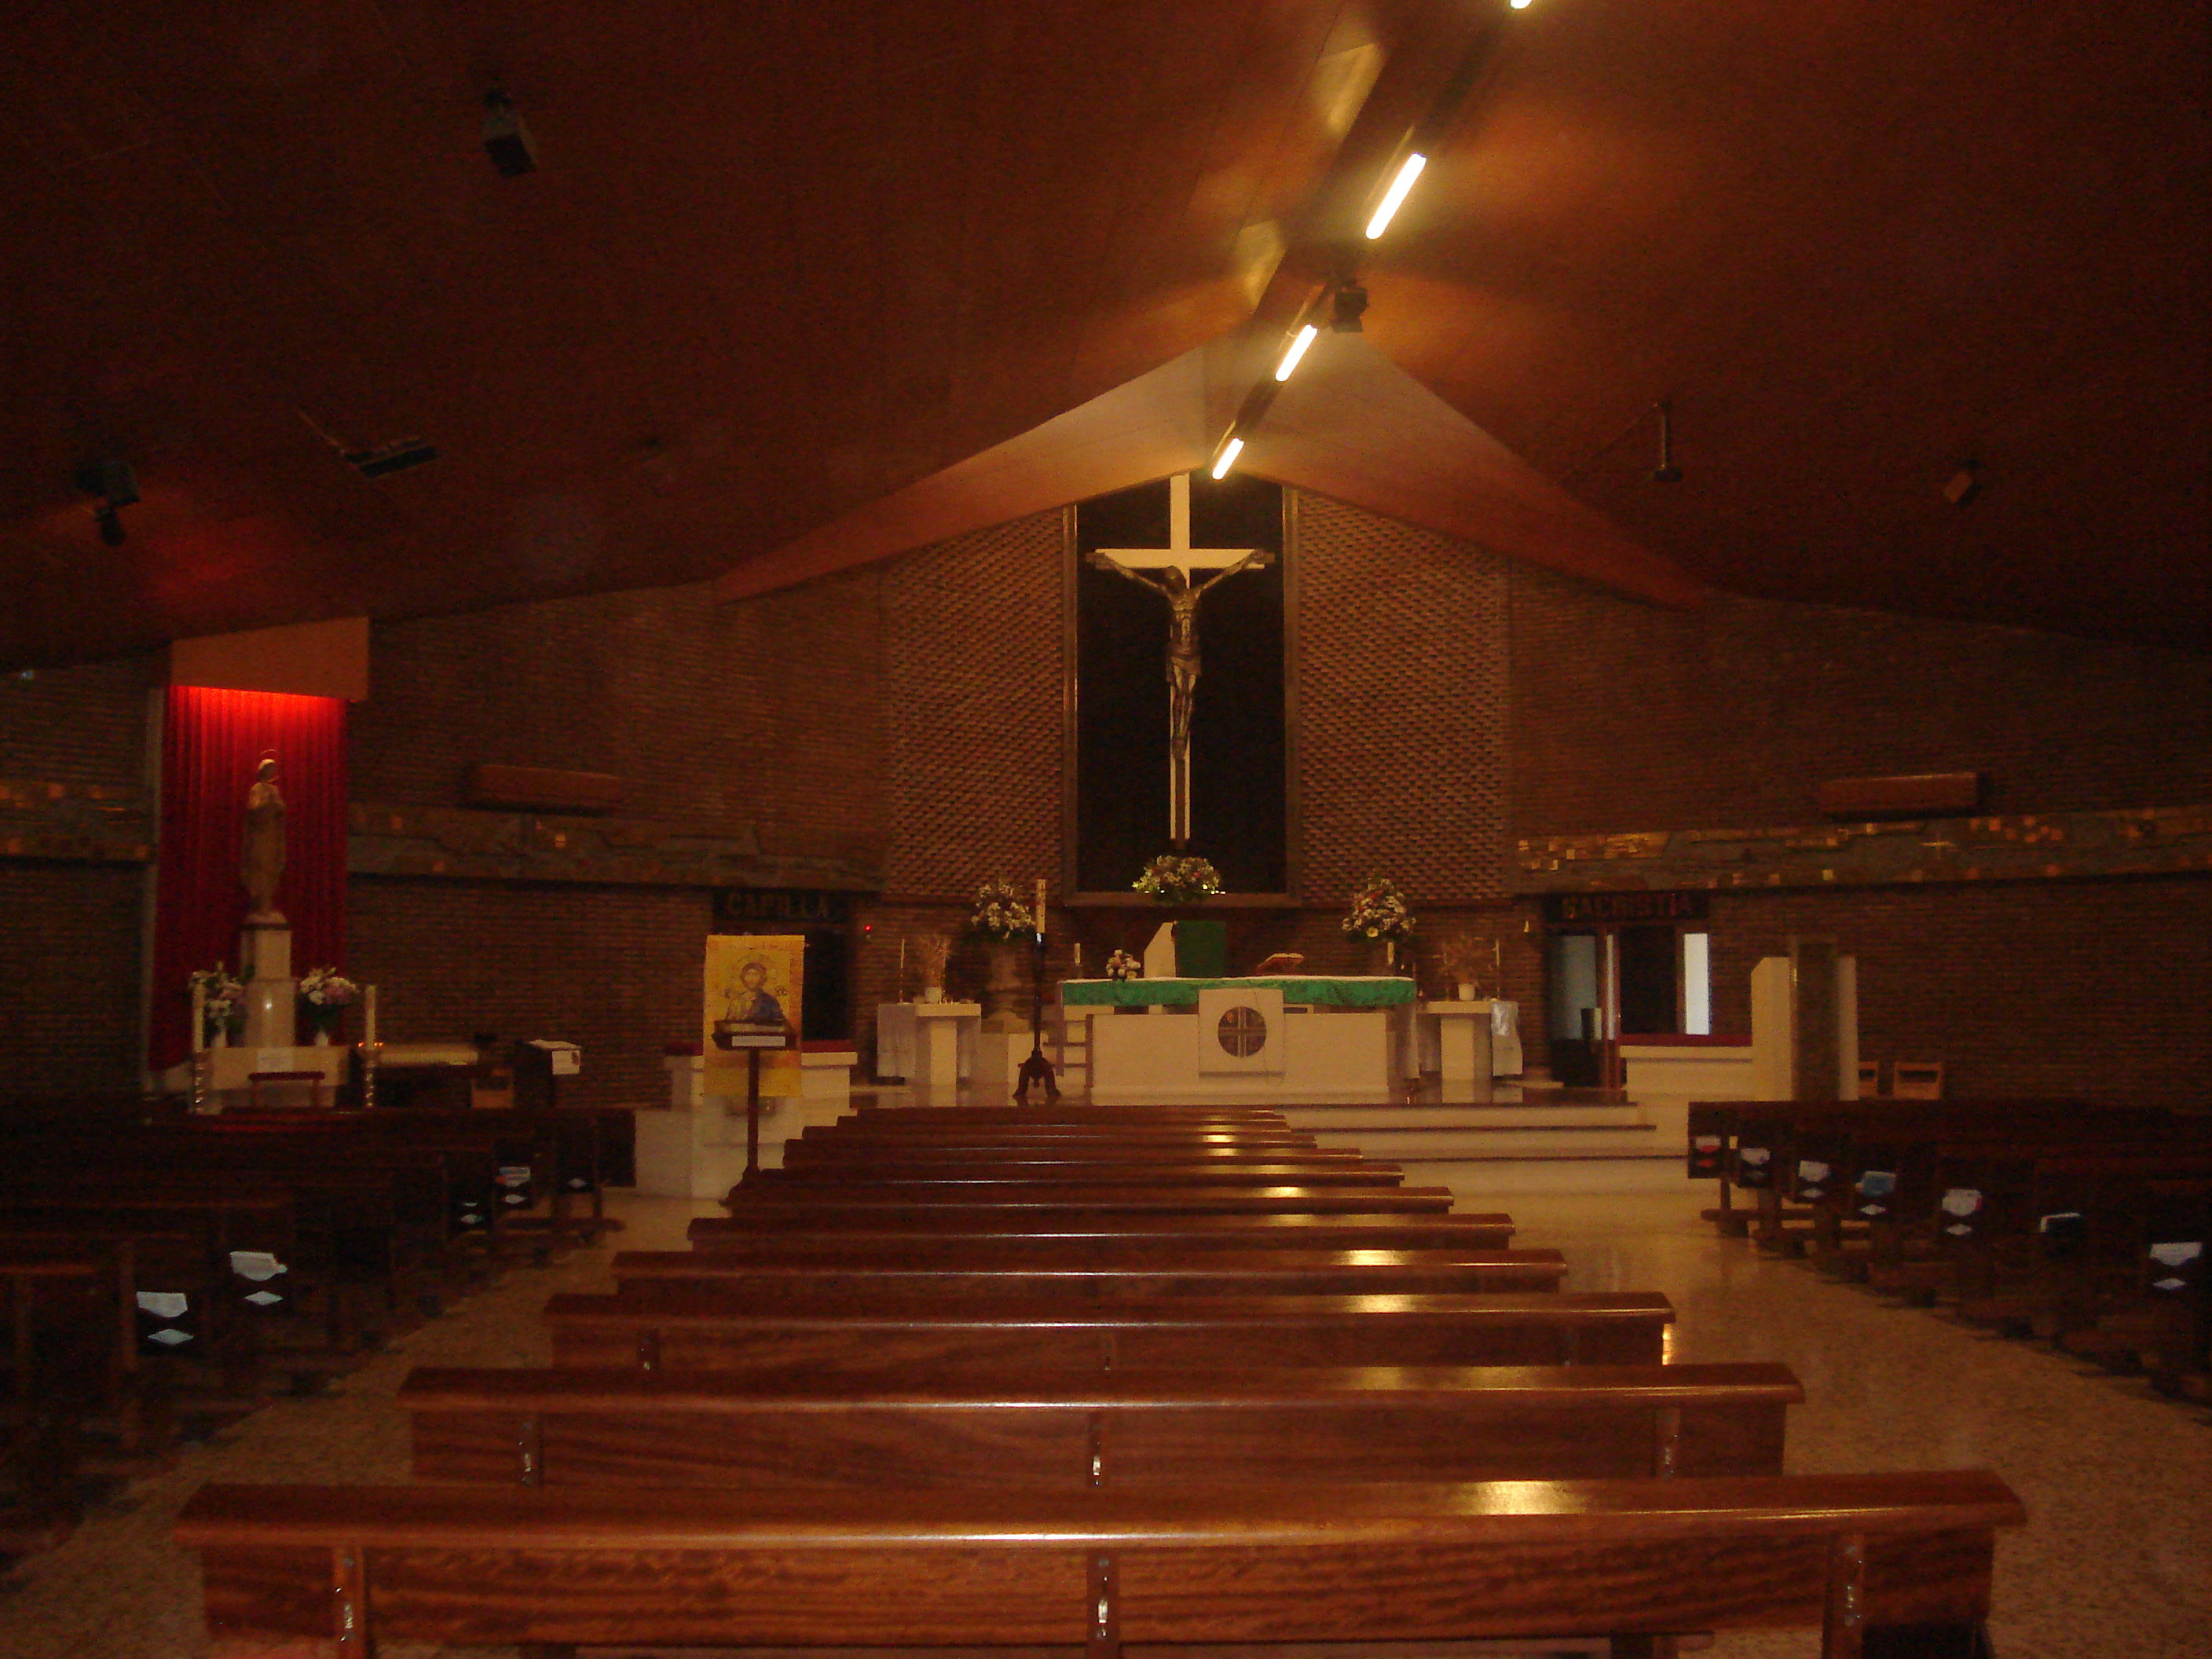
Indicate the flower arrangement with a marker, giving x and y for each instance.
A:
(1122, 965)
(1000, 912)
(1463, 958)
(1378, 911)
(1171, 880)
(326, 987)
(221, 999)
(931, 953)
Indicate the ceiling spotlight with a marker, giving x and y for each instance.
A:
(1965, 484)
(117, 486)
(1227, 458)
(506, 140)
(1408, 170)
(1665, 472)
(1295, 350)
(1520, 5)
(1350, 305)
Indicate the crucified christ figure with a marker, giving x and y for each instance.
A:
(1182, 596)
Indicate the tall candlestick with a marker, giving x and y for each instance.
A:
(899, 994)
(1079, 958)
(1040, 910)
(199, 1016)
(368, 1014)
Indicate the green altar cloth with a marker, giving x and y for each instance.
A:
(1336, 990)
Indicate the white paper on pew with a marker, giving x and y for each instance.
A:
(1811, 1169)
(164, 1304)
(1962, 1200)
(171, 1337)
(2169, 1283)
(265, 1298)
(2176, 1254)
(256, 1265)
(1754, 1156)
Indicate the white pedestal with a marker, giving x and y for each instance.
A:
(272, 995)
(230, 1073)
(696, 1149)
(1774, 1030)
(1462, 1039)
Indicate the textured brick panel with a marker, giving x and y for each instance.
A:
(1628, 717)
(68, 976)
(972, 687)
(1402, 707)
(616, 970)
(85, 725)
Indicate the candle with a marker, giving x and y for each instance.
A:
(368, 1015)
(1040, 910)
(1079, 958)
(899, 995)
(199, 1016)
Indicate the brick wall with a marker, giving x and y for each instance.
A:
(1402, 751)
(85, 725)
(614, 969)
(2089, 987)
(972, 687)
(68, 976)
(1629, 717)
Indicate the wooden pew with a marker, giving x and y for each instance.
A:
(1043, 1433)
(754, 1231)
(839, 1179)
(681, 1329)
(1855, 1556)
(995, 1201)
(1002, 1273)
(801, 1153)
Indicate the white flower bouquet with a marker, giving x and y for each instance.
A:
(1000, 912)
(219, 992)
(1122, 965)
(1378, 911)
(326, 987)
(1171, 880)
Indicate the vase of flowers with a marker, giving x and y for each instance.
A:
(222, 1002)
(1380, 920)
(1007, 927)
(1170, 879)
(1462, 956)
(325, 995)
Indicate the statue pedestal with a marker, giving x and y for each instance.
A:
(272, 995)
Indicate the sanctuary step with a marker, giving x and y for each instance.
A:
(1478, 1132)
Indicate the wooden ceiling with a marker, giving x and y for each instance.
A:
(781, 261)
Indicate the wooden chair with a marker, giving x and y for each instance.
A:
(1916, 1079)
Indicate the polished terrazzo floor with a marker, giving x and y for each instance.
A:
(2115, 1564)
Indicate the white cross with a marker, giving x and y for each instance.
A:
(1178, 552)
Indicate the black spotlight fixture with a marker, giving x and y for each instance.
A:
(117, 486)
(1665, 472)
(1351, 300)
(506, 140)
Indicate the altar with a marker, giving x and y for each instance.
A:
(1311, 1039)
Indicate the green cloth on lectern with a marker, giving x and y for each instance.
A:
(1348, 991)
(1201, 950)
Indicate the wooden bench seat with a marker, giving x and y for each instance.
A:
(800, 1152)
(1090, 1172)
(1222, 1273)
(801, 1207)
(759, 1229)
(683, 1329)
(1047, 1433)
(1849, 1554)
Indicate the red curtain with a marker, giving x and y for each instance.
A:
(211, 741)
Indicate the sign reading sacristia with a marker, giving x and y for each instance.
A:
(754, 982)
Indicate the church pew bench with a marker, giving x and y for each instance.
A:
(685, 1329)
(799, 1150)
(1093, 1172)
(1004, 1199)
(1883, 1565)
(753, 1229)
(1330, 1273)
(1042, 1433)
(114, 1370)
(875, 1116)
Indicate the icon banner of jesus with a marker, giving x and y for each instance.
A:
(753, 980)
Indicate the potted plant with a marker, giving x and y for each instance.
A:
(1006, 926)
(1463, 958)
(1380, 919)
(325, 995)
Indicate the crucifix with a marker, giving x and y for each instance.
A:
(1171, 571)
